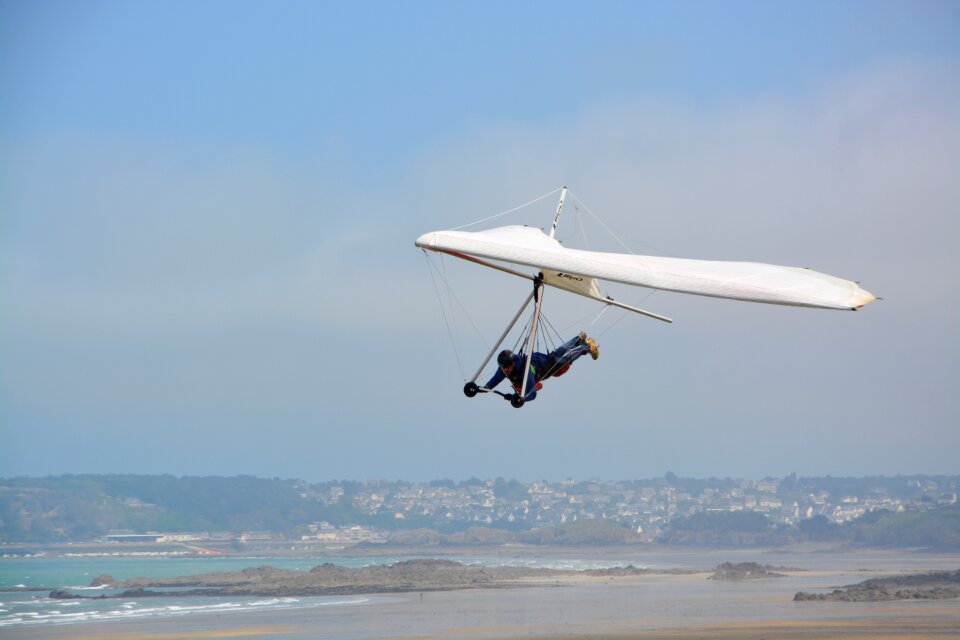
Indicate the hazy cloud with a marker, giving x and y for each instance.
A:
(175, 282)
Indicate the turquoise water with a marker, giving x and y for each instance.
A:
(31, 609)
(50, 572)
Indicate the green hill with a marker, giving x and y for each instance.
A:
(581, 532)
(938, 529)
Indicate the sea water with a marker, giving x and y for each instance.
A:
(41, 574)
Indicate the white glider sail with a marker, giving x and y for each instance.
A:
(576, 270)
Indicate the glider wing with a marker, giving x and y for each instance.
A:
(747, 281)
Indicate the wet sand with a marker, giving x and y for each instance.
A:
(649, 607)
(238, 632)
(908, 629)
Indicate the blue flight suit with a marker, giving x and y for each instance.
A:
(541, 367)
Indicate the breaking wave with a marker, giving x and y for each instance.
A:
(51, 611)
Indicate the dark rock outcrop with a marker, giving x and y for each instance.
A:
(104, 580)
(745, 571)
(936, 585)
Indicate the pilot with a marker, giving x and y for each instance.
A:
(542, 366)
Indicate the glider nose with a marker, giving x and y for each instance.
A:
(426, 240)
(860, 298)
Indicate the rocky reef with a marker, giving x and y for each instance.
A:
(327, 579)
(935, 585)
(747, 571)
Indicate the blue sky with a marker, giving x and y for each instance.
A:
(208, 214)
(385, 78)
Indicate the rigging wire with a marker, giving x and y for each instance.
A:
(615, 323)
(549, 372)
(579, 219)
(549, 326)
(579, 321)
(443, 311)
(612, 234)
(453, 317)
(449, 320)
(503, 213)
(624, 245)
(540, 345)
(626, 313)
(520, 339)
(594, 321)
(462, 308)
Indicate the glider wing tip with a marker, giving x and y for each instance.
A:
(426, 240)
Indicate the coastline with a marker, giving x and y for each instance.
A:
(646, 606)
(634, 608)
(328, 579)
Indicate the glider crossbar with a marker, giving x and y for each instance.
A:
(649, 314)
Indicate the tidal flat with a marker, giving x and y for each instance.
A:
(643, 607)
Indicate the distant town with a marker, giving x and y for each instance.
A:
(646, 507)
(201, 514)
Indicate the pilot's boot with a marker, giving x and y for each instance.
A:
(594, 348)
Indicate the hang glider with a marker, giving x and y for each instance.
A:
(579, 271)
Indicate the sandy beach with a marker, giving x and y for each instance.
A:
(647, 607)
